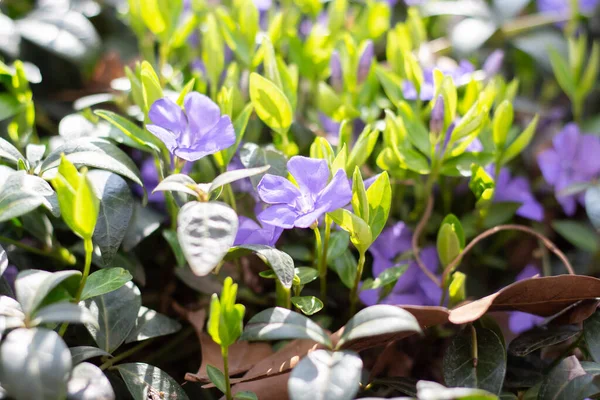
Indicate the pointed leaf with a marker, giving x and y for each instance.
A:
(105, 281)
(145, 381)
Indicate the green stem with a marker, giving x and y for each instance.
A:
(283, 295)
(354, 291)
(317, 262)
(225, 354)
(230, 197)
(323, 259)
(89, 250)
(125, 354)
(474, 350)
(33, 250)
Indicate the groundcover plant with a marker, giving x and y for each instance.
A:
(305, 200)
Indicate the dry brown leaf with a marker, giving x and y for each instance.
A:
(270, 388)
(540, 296)
(278, 363)
(242, 357)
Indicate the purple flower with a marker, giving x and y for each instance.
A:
(365, 61)
(564, 6)
(572, 159)
(150, 179)
(335, 65)
(518, 321)
(413, 287)
(492, 64)
(509, 189)
(300, 206)
(195, 133)
(250, 232)
(461, 74)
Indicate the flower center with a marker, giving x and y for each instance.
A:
(305, 203)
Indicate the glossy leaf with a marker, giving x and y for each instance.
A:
(82, 353)
(150, 324)
(89, 382)
(271, 105)
(568, 380)
(591, 332)
(281, 263)
(216, 376)
(539, 338)
(32, 286)
(146, 381)
(309, 305)
(63, 312)
(105, 281)
(379, 197)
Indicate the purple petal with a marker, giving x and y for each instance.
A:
(168, 115)
(429, 257)
(202, 113)
(279, 215)
(408, 280)
(587, 161)
(369, 297)
(405, 299)
(519, 322)
(532, 210)
(309, 218)
(337, 194)
(436, 122)
(220, 137)
(565, 143)
(549, 163)
(273, 189)
(431, 292)
(167, 137)
(493, 63)
(311, 174)
(335, 66)
(529, 271)
(246, 228)
(568, 203)
(380, 264)
(365, 61)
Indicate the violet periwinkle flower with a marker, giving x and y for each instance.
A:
(413, 287)
(195, 133)
(517, 189)
(436, 122)
(493, 63)
(365, 61)
(335, 65)
(461, 74)
(564, 6)
(518, 321)
(301, 206)
(250, 232)
(572, 159)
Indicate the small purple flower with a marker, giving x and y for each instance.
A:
(335, 65)
(461, 74)
(436, 122)
(564, 6)
(300, 206)
(413, 287)
(195, 133)
(518, 321)
(572, 159)
(250, 232)
(509, 189)
(492, 64)
(365, 61)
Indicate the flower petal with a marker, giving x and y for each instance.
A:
(279, 215)
(566, 142)
(587, 161)
(167, 137)
(306, 220)
(220, 137)
(203, 114)
(246, 228)
(273, 189)
(311, 174)
(549, 163)
(335, 195)
(168, 115)
(369, 297)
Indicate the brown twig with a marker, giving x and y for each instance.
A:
(522, 228)
(415, 242)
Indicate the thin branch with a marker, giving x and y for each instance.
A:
(415, 242)
(522, 228)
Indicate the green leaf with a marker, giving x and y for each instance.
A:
(591, 333)
(32, 286)
(114, 215)
(150, 324)
(63, 312)
(567, 381)
(326, 375)
(9, 152)
(89, 382)
(487, 373)
(206, 232)
(309, 305)
(9, 106)
(216, 377)
(34, 364)
(590, 75)
(143, 223)
(177, 183)
(345, 266)
(360, 232)
(146, 141)
(503, 119)
(386, 277)
(116, 313)
(226, 317)
(245, 395)
(82, 353)
(306, 274)
(450, 239)
(379, 197)
(281, 263)
(212, 50)
(21, 193)
(271, 105)
(360, 203)
(578, 234)
(562, 73)
(378, 320)
(519, 144)
(541, 337)
(235, 175)
(144, 380)
(279, 323)
(253, 156)
(338, 244)
(104, 281)
(92, 152)
(362, 148)
(456, 289)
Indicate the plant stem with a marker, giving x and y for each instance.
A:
(323, 259)
(354, 291)
(230, 197)
(317, 262)
(283, 295)
(224, 353)
(32, 249)
(89, 250)
(474, 350)
(125, 354)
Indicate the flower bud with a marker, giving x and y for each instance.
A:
(365, 61)
(493, 63)
(436, 123)
(336, 78)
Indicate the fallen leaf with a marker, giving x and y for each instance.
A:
(242, 357)
(271, 388)
(540, 296)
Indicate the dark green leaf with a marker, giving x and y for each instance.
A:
(104, 281)
(309, 305)
(591, 333)
(578, 234)
(63, 312)
(216, 377)
(567, 381)
(82, 353)
(32, 286)
(538, 338)
(387, 277)
(281, 263)
(487, 372)
(143, 223)
(151, 324)
(145, 381)
(252, 156)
